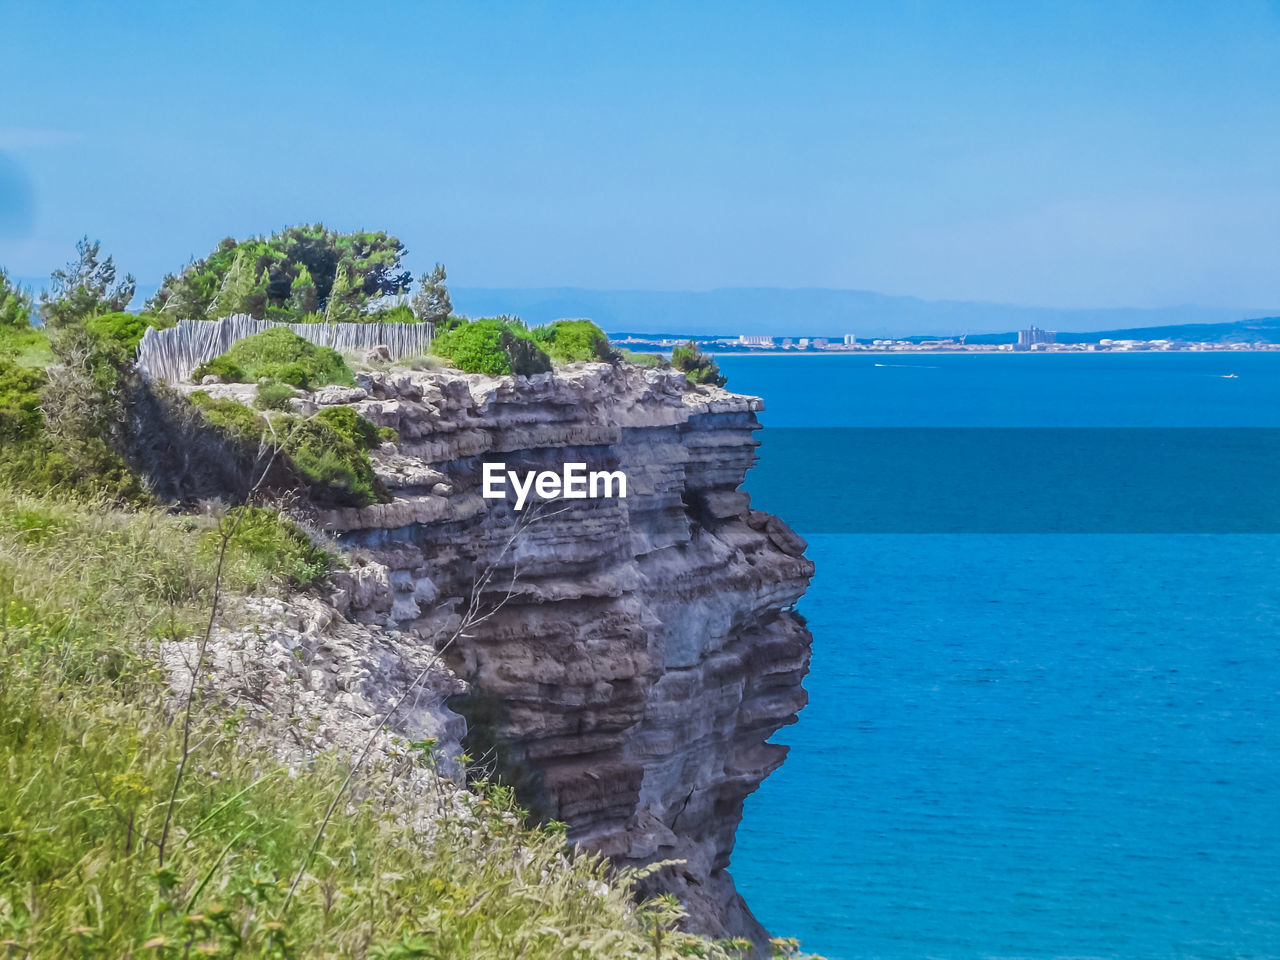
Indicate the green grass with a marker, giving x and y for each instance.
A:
(91, 748)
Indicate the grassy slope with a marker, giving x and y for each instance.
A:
(91, 742)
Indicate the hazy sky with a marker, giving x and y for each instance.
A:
(1062, 154)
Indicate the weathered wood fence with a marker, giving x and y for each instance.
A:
(172, 354)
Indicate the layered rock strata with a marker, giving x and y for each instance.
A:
(626, 659)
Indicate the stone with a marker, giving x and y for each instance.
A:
(209, 379)
(639, 652)
(378, 354)
(330, 396)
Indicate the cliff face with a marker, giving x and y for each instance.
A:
(634, 655)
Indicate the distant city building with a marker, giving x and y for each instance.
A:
(804, 342)
(821, 342)
(850, 340)
(788, 342)
(1030, 337)
(749, 341)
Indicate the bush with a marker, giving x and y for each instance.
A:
(388, 435)
(336, 469)
(493, 346)
(221, 367)
(234, 420)
(32, 458)
(20, 418)
(567, 341)
(125, 330)
(280, 354)
(273, 395)
(267, 541)
(696, 365)
(351, 426)
(641, 359)
(399, 314)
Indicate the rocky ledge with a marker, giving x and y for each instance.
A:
(625, 660)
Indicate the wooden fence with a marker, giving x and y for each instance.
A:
(172, 354)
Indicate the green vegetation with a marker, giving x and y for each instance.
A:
(234, 420)
(432, 302)
(63, 389)
(86, 287)
(222, 367)
(268, 545)
(279, 354)
(642, 359)
(494, 345)
(20, 342)
(273, 395)
(289, 276)
(335, 467)
(696, 365)
(351, 426)
(92, 752)
(566, 341)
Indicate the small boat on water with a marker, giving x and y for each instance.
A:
(1230, 376)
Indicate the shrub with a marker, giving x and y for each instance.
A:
(351, 426)
(493, 346)
(266, 540)
(273, 395)
(567, 341)
(221, 367)
(280, 354)
(398, 314)
(388, 435)
(20, 417)
(32, 458)
(696, 365)
(234, 420)
(125, 330)
(641, 359)
(336, 469)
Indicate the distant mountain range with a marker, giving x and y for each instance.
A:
(824, 313)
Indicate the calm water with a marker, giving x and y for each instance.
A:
(1024, 745)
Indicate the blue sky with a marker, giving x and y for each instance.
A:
(1056, 154)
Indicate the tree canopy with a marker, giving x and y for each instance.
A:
(86, 287)
(287, 275)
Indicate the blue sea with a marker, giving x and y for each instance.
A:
(1025, 742)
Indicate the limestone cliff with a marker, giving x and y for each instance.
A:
(636, 654)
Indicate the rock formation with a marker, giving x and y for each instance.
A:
(633, 655)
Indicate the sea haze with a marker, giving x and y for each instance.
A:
(1023, 744)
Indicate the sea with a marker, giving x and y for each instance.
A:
(1044, 698)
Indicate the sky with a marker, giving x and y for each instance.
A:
(1056, 154)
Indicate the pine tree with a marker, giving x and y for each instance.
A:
(244, 290)
(345, 303)
(432, 302)
(85, 288)
(15, 304)
(303, 297)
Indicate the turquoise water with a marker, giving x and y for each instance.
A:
(1023, 744)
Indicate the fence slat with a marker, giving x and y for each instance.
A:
(172, 354)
